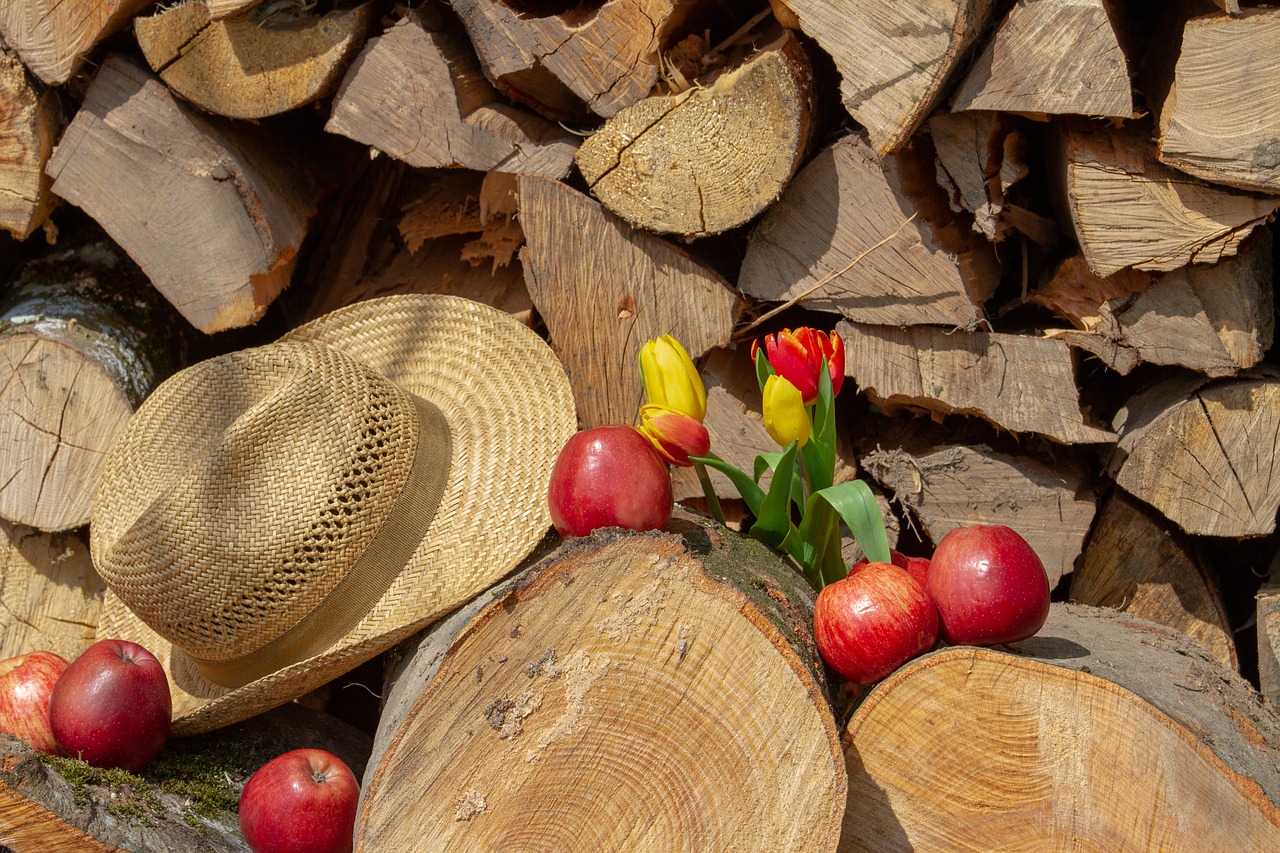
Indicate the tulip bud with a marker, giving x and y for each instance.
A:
(675, 435)
(798, 357)
(671, 379)
(785, 417)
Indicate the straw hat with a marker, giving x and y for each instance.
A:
(271, 518)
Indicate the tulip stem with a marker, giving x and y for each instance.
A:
(713, 501)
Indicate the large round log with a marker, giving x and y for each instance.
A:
(654, 691)
(1103, 732)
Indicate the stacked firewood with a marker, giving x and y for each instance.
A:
(1042, 228)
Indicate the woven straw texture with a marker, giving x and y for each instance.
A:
(509, 410)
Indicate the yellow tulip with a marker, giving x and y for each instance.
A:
(670, 378)
(784, 414)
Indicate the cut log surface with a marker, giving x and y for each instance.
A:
(1138, 562)
(1203, 454)
(711, 157)
(183, 802)
(1020, 383)
(417, 93)
(1130, 210)
(567, 60)
(604, 288)
(1221, 119)
(954, 486)
(251, 65)
(1216, 319)
(50, 593)
(842, 239)
(895, 60)
(83, 340)
(1103, 732)
(661, 688)
(1047, 57)
(211, 211)
(30, 121)
(53, 37)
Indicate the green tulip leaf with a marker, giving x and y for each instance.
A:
(773, 522)
(857, 506)
(752, 494)
(763, 368)
(822, 561)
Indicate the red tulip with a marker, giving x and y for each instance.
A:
(798, 356)
(675, 435)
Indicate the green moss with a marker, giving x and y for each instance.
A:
(134, 799)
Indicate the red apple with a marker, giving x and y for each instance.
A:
(303, 801)
(989, 585)
(112, 706)
(25, 684)
(609, 476)
(917, 567)
(873, 621)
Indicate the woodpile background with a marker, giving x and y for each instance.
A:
(1043, 228)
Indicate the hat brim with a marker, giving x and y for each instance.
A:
(510, 410)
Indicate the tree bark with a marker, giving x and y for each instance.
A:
(251, 65)
(604, 289)
(1138, 562)
(417, 92)
(213, 212)
(1049, 57)
(873, 240)
(663, 687)
(711, 157)
(1096, 734)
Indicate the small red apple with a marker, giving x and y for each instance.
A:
(609, 476)
(25, 684)
(303, 801)
(917, 567)
(989, 585)
(112, 707)
(873, 621)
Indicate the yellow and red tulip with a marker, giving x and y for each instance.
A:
(799, 355)
(784, 413)
(675, 435)
(671, 379)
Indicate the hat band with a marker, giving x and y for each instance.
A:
(372, 574)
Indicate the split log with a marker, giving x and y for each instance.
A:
(896, 61)
(567, 61)
(1020, 383)
(251, 65)
(83, 340)
(1130, 210)
(1138, 562)
(417, 93)
(843, 238)
(219, 9)
(1218, 121)
(970, 153)
(663, 688)
(1268, 629)
(185, 801)
(54, 37)
(1050, 57)
(213, 213)
(1215, 319)
(1099, 734)
(711, 157)
(1201, 452)
(603, 288)
(30, 121)
(948, 486)
(50, 593)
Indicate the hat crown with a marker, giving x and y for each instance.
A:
(245, 488)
